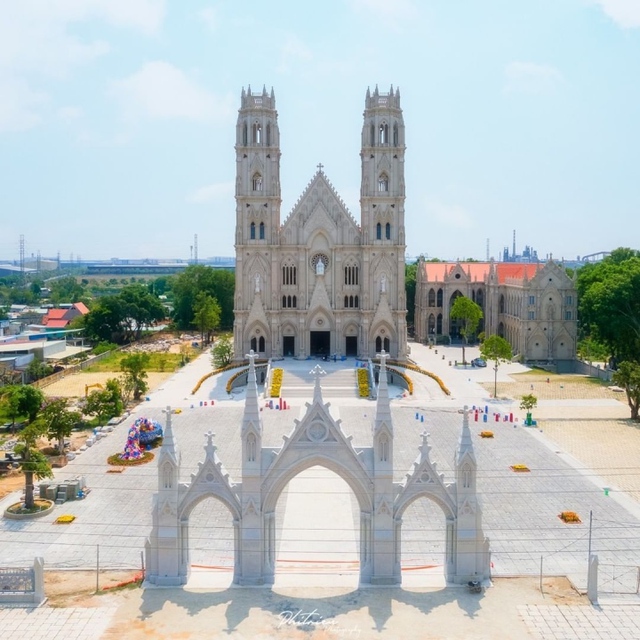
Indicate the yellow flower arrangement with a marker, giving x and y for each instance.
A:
(519, 468)
(570, 517)
(405, 377)
(276, 382)
(363, 383)
(486, 434)
(424, 372)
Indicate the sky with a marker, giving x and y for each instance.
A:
(117, 119)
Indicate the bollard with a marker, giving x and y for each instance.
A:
(200, 402)
(484, 417)
(270, 404)
(417, 416)
(497, 417)
(476, 416)
(486, 408)
(511, 417)
(205, 403)
(421, 418)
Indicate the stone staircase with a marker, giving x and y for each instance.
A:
(341, 383)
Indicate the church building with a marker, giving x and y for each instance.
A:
(320, 282)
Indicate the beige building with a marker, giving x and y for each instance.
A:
(532, 305)
(320, 282)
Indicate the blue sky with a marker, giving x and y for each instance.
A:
(117, 119)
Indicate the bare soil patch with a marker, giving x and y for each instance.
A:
(78, 588)
(554, 387)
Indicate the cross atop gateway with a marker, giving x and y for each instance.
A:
(317, 371)
(383, 355)
(251, 356)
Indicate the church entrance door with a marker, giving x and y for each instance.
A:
(320, 343)
(288, 346)
(351, 346)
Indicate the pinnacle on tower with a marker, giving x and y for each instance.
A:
(465, 444)
(383, 404)
(251, 405)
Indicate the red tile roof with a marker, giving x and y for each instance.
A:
(517, 270)
(56, 324)
(82, 308)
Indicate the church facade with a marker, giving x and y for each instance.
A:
(320, 282)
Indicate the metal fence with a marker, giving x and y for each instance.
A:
(17, 580)
(618, 579)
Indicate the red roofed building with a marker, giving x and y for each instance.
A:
(532, 305)
(60, 318)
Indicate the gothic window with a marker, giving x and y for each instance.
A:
(439, 325)
(251, 448)
(289, 274)
(257, 133)
(166, 476)
(432, 298)
(351, 275)
(501, 304)
(569, 300)
(378, 231)
(480, 298)
(284, 301)
(268, 135)
(289, 301)
(295, 302)
(254, 345)
(432, 324)
(252, 231)
(532, 299)
(384, 133)
(383, 183)
(355, 302)
(262, 231)
(261, 345)
(373, 135)
(395, 134)
(245, 136)
(378, 344)
(387, 231)
(256, 182)
(532, 315)
(384, 449)
(439, 298)
(568, 315)
(386, 344)
(466, 477)
(346, 302)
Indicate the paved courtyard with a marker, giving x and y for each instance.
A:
(520, 509)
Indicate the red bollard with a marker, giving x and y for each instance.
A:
(497, 417)
(476, 416)
(511, 417)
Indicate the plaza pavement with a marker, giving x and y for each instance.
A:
(520, 510)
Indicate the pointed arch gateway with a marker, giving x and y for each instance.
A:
(317, 439)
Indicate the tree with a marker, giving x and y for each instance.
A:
(66, 289)
(37, 370)
(528, 403)
(28, 402)
(222, 352)
(141, 309)
(105, 403)
(410, 272)
(218, 283)
(58, 420)
(206, 315)
(469, 314)
(135, 375)
(609, 298)
(628, 377)
(497, 349)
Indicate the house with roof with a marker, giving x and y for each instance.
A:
(60, 318)
(532, 305)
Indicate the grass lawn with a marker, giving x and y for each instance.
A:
(158, 362)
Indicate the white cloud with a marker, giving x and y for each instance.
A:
(161, 90)
(20, 105)
(528, 77)
(625, 13)
(211, 193)
(291, 52)
(389, 13)
(209, 15)
(450, 215)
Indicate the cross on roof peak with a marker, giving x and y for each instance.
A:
(320, 167)
(317, 371)
(251, 356)
(383, 355)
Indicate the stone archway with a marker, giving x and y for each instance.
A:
(316, 439)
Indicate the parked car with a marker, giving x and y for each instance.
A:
(478, 362)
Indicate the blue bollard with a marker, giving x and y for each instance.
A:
(421, 418)
(484, 417)
(417, 416)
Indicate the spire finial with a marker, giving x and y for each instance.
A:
(317, 371)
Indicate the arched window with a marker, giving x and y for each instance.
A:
(268, 135)
(373, 136)
(288, 301)
(378, 231)
(355, 302)
(501, 304)
(251, 448)
(395, 134)
(166, 476)
(351, 275)
(254, 344)
(439, 298)
(384, 133)
(346, 302)
(480, 298)
(256, 182)
(261, 344)
(432, 298)
(252, 231)
(386, 343)
(384, 449)
(289, 274)
(432, 324)
(295, 302)
(245, 136)
(378, 344)
(387, 231)
(383, 183)
(257, 133)
(284, 301)
(439, 325)
(351, 301)
(262, 231)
